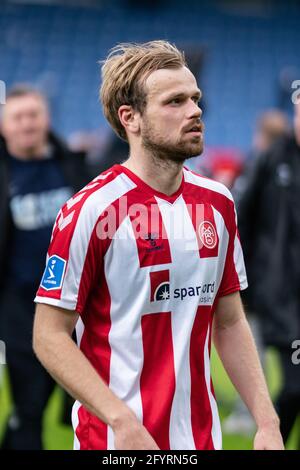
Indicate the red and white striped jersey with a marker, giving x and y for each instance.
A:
(144, 271)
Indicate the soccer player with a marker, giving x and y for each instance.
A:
(147, 263)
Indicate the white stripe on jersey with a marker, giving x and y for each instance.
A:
(55, 302)
(91, 210)
(75, 422)
(79, 331)
(126, 355)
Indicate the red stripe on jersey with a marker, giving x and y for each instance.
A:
(204, 224)
(99, 243)
(82, 430)
(110, 221)
(230, 280)
(196, 194)
(149, 231)
(96, 318)
(91, 432)
(95, 346)
(208, 235)
(65, 225)
(201, 413)
(158, 376)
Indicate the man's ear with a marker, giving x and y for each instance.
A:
(129, 118)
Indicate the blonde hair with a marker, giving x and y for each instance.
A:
(125, 71)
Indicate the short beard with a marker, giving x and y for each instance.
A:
(178, 152)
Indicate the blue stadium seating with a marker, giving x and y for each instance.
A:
(57, 48)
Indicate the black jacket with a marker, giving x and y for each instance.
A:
(269, 224)
(73, 167)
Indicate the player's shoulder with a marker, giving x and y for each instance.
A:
(102, 191)
(207, 184)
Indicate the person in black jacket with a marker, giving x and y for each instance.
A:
(269, 224)
(37, 175)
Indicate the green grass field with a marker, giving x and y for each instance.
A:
(58, 436)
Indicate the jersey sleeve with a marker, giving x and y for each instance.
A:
(234, 275)
(73, 260)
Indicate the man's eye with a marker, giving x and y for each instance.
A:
(175, 101)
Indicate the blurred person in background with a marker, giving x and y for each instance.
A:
(271, 126)
(269, 223)
(223, 164)
(37, 175)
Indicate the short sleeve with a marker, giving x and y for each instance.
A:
(234, 275)
(73, 259)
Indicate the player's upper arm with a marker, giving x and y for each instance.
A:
(228, 311)
(50, 320)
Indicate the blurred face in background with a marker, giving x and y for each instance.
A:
(271, 125)
(25, 125)
(297, 123)
(170, 124)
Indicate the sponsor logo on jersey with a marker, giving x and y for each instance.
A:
(152, 241)
(204, 292)
(160, 285)
(54, 273)
(208, 234)
(161, 290)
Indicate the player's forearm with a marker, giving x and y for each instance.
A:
(72, 370)
(238, 353)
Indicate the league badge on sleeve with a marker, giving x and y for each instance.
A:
(54, 273)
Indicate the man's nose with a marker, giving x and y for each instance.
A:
(194, 110)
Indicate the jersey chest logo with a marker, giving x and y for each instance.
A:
(207, 234)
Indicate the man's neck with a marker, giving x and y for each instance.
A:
(162, 175)
(37, 152)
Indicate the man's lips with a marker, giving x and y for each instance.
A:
(195, 129)
(195, 132)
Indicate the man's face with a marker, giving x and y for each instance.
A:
(170, 124)
(25, 122)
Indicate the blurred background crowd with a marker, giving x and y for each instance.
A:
(54, 139)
